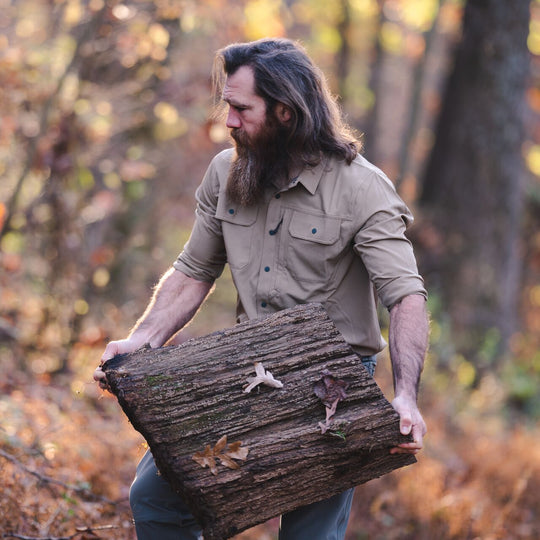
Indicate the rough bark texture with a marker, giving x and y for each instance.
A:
(472, 188)
(185, 397)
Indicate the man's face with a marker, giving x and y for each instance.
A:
(247, 111)
(262, 156)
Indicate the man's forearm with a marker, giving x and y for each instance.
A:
(176, 299)
(408, 337)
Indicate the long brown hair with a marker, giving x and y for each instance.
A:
(284, 73)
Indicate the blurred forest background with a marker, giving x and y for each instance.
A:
(106, 129)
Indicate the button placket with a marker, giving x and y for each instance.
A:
(267, 275)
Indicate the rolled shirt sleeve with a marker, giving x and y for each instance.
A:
(204, 255)
(382, 244)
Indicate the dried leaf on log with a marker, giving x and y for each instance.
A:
(330, 391)
(225, 454)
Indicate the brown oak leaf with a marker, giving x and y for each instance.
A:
(222, 451)
(330, 391)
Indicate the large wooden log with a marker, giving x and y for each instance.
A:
(184, 399)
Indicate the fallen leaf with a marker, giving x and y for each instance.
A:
(225, 453)
(228, 462)
(330, 391)
(328, 388)
(206, 459)
(220, 445)
(235, 451)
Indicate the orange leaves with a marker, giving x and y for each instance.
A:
(3, 213)
(226, 453)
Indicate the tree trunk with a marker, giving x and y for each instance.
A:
(184, 399)
(472, 189)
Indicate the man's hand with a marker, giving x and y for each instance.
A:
(411, 421)
(111, 350)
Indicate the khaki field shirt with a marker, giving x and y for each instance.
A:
(335, 235)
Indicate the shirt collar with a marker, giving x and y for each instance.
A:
(311, 176)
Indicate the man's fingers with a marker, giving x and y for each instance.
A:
(101, 378)
(111, 350)
(407, 448)
(99, 374)
(410, 423)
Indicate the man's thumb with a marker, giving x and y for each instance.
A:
(405, 424)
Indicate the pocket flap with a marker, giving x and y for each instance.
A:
(319, 229)
(235, 214)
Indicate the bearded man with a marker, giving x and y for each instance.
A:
(300, 217)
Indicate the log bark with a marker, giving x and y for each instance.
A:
(185, 398)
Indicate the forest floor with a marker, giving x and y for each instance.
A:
(68, 454)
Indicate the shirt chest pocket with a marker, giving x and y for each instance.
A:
(237, 225)
(313, 247)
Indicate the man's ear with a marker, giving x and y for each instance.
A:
(283, 113)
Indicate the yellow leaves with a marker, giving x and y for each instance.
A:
(465, 371)
(166, 112)
(330, 38)
(533, 39)
(225, 453)
(419, 14)
(263, 18)
(101, 277)
(365, 8)
(158, 35)
(532, 158)
(12, 242)
(171, 125)
(3, 213)
(73, 12)
(25, 28)
(403, 19)
(392, 37)
(534, 295)
(153, 43)
(81, 307)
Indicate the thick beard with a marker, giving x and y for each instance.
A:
(261, 161)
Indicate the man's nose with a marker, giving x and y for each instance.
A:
(233, 120)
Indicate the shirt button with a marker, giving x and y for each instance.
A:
(314, 230)
(267, 269)
(278, 195)
(231, 211)
(263, 304)
(271, 232)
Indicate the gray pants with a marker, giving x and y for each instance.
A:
(160, 513)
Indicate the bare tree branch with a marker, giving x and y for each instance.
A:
(87, 34)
